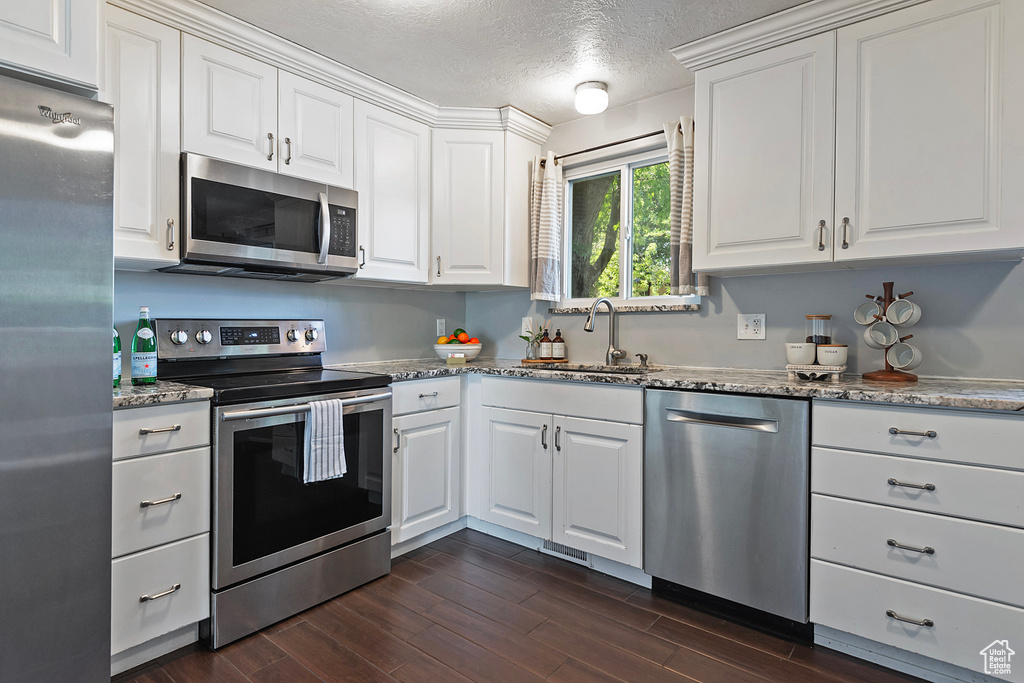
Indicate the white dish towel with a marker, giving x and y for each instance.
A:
(324, 452)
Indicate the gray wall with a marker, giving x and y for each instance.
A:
(972, 323)
(363, 323)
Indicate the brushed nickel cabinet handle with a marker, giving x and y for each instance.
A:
(146, 430)
(925, 487)
(930, 434)
(433, 395)
(170, 234)
(398, 441)
(156, 596)
(821, 235)
(927, 550)
(439, 266)
(846, 226)
(270, 136)
(163, 501)
(362, 261)
(288, 146)
(917, 622)
(558, 445)
(544, 437)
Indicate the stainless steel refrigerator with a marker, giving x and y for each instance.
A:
(56, 292)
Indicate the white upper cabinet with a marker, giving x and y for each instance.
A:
(763, 158)
(393, 180)
(315, 129)
(929, 131)
(55, 39)
(143, 82)
(239, 109)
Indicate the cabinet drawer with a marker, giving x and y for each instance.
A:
(959, 436)
(981, 493)
(967, 557)
(425, 394)
(192, 420)
(157, 478)
(593, 400)
(152, 572)
(856, 602)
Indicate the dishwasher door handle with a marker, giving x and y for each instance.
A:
(759, 424)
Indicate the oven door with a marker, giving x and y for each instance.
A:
(247, 217)
(264, 516)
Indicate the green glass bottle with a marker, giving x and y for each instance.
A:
(117, 359)
(144, 350)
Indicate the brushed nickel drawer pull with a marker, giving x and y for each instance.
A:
(927, 550)
(156, 596)
(163, 501)
(544, 437)
(362, 260)
(270, 136)
(558, 444)
(926, 487)
(170, 234)
(433, 395)
(846, 227)
(916, 622)
(821, 235)
(398, 440)
(930, 434)
(288, 145)
(146, 430)
(439, 266)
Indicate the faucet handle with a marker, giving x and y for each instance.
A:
(643, 359)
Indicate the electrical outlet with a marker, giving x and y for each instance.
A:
(750, 326)
(527, 326)
(440, 327)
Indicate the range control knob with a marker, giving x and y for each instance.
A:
(179, 337)
(292, 335)
(204, 337)
(311, 334)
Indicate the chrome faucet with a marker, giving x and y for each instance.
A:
(613, 354)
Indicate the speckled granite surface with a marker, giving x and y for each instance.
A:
(976, 394)
(128, 396)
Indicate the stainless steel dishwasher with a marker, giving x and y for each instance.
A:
(726, 497)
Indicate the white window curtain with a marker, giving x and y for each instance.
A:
(679, 135)
(546, 230)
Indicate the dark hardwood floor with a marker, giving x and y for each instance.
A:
(474, 608)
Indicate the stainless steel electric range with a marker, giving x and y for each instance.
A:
(280, 546)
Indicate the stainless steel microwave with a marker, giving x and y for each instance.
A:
(245, 222)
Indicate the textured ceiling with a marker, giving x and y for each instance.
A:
(489, 53)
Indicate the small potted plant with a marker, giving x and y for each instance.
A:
(533, 340)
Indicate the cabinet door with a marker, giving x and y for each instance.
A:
(229, 105)
(517, 471)
(597, 492)
(393, 180)
(143, 82)
(763, 158)
(468, 194)
(425, 473)
(920, 125)
(52, 38)
(315, 128)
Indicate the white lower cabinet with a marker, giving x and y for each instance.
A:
(426, 468)
(573, 479)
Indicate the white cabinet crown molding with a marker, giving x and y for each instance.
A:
(782, 27)
(217, 27)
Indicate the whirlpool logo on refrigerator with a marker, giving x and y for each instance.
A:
(66, 117)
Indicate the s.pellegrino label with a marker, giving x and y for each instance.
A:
(117, 359)
(144, 350)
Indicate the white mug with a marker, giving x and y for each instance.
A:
(866, 312)
(800, 353)
(904, 356)
(903, 312)
(880, 335)
(832, 354)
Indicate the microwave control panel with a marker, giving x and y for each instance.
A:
(343, 231)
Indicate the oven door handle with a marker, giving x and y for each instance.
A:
(299, 408)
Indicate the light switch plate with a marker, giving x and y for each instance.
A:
(440, 327)
(750, 326)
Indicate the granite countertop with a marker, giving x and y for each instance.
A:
(976, 394)
(129, 396)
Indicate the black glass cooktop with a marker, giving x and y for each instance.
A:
(268, 386)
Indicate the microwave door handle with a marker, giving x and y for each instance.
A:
(325, 229)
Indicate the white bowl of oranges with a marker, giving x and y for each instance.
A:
(458, 341)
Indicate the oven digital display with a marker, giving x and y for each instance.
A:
(237, 336)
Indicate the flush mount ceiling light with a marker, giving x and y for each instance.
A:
(591, 97)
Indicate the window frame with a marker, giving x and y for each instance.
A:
(624, 165)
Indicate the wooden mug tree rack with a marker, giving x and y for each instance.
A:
(890, 374)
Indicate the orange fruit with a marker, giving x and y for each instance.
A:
(474, 340)
(464, 337)
(442, 340)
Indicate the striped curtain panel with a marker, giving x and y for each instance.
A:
(679, 135)
(546, 230)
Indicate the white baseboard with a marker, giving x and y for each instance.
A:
(151, 649)
(898, 659)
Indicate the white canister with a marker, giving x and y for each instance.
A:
(832, 354)
(800, 353)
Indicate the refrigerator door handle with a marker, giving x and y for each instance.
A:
(716, 420)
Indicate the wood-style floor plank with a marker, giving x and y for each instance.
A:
(252, 653)
(425, 669)
(838, 666)
(419, 554)
(152, 674)
(325, 657)
(394, 618)
(595, 581)
(503, 587)
(375, 645)
(707, 670)
(285, 670)
(713, 645)
(196, 664)
(468, 658)
(410, 570)
(596, 602)
(480, 601)
(404, 593)
(575, 616)
(574, 671)
(492, 544)
(482, 558)
(494, 637)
